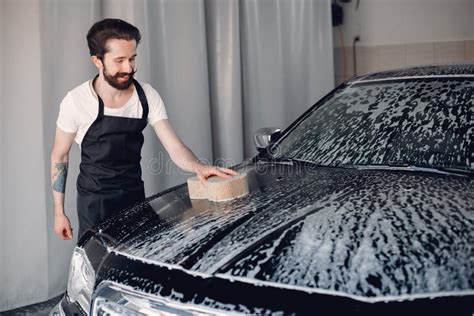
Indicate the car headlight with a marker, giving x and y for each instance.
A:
(81, 279)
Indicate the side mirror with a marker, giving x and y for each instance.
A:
(265, 137)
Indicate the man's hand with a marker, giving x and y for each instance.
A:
(62, 227)
(203, 172)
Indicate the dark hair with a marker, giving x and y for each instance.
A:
(106, 29)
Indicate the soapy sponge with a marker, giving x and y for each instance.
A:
(219, 189)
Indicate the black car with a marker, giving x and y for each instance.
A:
(365, 204)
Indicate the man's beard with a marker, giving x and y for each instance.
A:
(114, 82)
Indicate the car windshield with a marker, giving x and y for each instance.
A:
(423, 122)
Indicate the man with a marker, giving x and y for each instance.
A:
(106, 116)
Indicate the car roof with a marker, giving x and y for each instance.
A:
(433, 71)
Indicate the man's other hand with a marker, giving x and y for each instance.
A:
(62, 227)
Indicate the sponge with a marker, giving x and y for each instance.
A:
(219, 189)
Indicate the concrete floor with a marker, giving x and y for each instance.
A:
(42, 308)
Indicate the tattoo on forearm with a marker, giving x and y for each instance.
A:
(59, 176)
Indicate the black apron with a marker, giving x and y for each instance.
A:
(110, 177)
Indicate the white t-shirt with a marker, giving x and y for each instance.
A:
(80, 107)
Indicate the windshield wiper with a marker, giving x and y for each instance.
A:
(413, 167)
(289, 161)
(462, 171)
(282, 161)
(292, 162)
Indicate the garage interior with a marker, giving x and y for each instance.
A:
(225, 68)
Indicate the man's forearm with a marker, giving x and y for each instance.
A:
(58, 184)
(185, 159)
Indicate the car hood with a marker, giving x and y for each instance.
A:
(368, 233)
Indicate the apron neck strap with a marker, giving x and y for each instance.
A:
(101, 107)
(142, 98)
(101, 103)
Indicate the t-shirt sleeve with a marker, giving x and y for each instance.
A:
(67, 118)
(156, 106)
